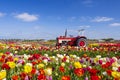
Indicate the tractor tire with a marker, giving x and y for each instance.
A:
(82, 42)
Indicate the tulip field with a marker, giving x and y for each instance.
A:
(35, 62)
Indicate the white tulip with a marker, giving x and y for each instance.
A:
(61, 56)
(98, 56)
(53, 57)
(26, 56)
(4, 79)
(11, 54)
(45, 61)
(114, 58)
(19, 65)
(46, 55)
(56, 59)
(58, 55)
(67, 57)
(114, 68)
(84, 66)
(16, 52)
(30, 64)
(74, 56)
(104, 73)
(67, 61)
(77, 58)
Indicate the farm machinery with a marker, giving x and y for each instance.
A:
(80, 41)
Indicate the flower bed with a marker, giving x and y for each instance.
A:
(54, 63)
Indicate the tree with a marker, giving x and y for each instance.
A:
(108, 39)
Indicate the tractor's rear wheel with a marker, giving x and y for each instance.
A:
(82, 42)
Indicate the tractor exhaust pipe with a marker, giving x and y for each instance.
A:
(66, 33)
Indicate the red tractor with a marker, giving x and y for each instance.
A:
(80, 41)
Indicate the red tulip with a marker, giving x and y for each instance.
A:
(94, 77)
(61, 68)
(33, 71)
(41, 77)
(109, 72)
(79, 71)
(5, 66)
(22, 76)
(93, 71)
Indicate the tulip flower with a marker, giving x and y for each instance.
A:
(2, 74)
(28, 68)
(48, 71)
(77, 65)
(11, 64)
(79, 72)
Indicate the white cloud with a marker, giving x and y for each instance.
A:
(72, 18)
(27, 17)
(101, 19)
(85, 26)
(2, 14)
(115, 24)
(87, 3)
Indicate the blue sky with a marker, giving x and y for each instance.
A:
(47, 19)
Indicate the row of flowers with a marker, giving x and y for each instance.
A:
(59, 67)
(100, 49)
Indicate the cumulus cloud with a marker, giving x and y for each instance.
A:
(2, 14)
(115, 24)
(101, 19)
(26, 17)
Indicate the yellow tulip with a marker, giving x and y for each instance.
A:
(27, 68)
(2, 74)
(48, 71)
(1, 54)
(16, 59)
(116, 74)
(41, 65)
(11, 64)
(62, 64)
(77, 65)
(96, 60)
(115, 64)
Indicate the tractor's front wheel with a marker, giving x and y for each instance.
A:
(82, 42)
(64, 43)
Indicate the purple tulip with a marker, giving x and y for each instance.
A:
(49, 77)
(20, 61)
(85, 69)
(86, 78)
(100, 61)
(118, 69)
(112, 61)
(91, 61)
(81, 61)
(26, 78)
(71, 67)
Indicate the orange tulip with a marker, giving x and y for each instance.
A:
(15, 77)
(65, 77)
